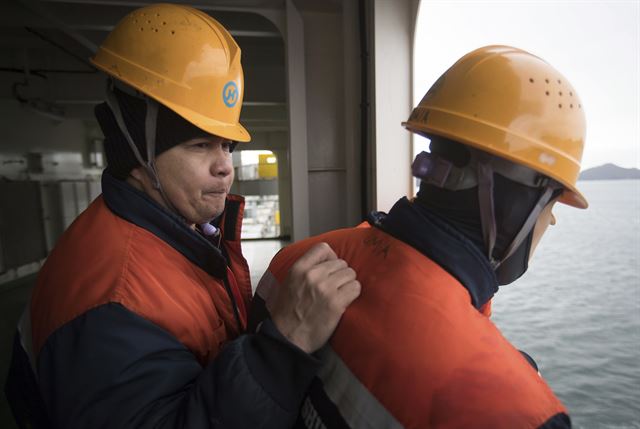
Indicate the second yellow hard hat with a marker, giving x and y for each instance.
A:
(511, 104)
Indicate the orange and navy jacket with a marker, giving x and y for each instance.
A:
(137, 320)
(415, 349)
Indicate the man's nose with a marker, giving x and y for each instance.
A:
(221, 165)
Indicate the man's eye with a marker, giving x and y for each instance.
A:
(203, 145)
(228, 146)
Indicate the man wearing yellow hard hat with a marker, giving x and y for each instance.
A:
(138, 318)
(417, 349)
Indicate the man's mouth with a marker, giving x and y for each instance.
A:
(215, 192)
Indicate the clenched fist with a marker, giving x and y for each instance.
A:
(310, 303)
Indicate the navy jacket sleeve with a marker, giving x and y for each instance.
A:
(110, 368)
(559, 421)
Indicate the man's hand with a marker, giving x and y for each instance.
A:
(310, 303)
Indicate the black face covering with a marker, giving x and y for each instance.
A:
(513, 203)
(515, 265)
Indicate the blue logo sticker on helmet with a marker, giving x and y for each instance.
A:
(230, 94)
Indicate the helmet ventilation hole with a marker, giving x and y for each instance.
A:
(173, 32)
(546, 80)
(560, 105)
(560, 93)
(571, 106)
(531, 79)
(546, 92)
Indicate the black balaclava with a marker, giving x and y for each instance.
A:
(512, 204)
(171, 130)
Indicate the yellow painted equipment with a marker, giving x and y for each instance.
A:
(267, 166)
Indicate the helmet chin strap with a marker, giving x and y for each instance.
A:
(487, 209)
(488, 219)
(151, 120)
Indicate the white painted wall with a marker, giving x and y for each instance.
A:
(394, 24)
(331, 95)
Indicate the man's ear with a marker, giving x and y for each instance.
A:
(139, 174)
(138, 178)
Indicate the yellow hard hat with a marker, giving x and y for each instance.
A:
(512, 104)
(183, 59)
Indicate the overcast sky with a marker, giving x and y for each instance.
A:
(595, 44)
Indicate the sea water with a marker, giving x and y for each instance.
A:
(577, 310)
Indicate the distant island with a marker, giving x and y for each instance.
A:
(609, 172)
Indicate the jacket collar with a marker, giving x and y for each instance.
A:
(440, 242)
(138, 208)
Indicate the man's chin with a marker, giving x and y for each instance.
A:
(210, 216)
